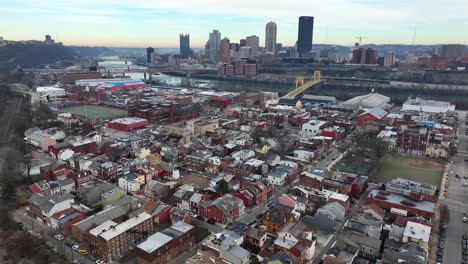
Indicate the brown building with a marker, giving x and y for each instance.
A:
(225, 51)
(250, 69)
(80, 229)
(240, 67)
(371, 56)
(164, 246)
(230, 69)
(277, 217)
(111, 240)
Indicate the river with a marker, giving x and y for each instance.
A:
(233, 86)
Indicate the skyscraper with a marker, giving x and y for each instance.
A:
(224, 51)
(213, 46)
(389, 59)
(243, 42)
(452, 51)
(149, 51)
(253, 42)
(305, 34)
(270, 37)
(184, 46)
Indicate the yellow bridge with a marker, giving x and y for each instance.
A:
(301, 86)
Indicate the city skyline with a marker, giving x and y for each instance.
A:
(123, 24)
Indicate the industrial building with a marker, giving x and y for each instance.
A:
(127, 123)
(429, 106)
(367, 101)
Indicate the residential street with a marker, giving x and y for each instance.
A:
(47, 236)
(457, 195)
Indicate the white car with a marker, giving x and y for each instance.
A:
(75, 247)
(59, 237)
(100, 261)
(465, 219)
(465, 184)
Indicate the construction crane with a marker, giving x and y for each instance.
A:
(301, 86)
(360, 39)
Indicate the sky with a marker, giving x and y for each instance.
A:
(158, 23)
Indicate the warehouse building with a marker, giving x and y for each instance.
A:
(127, 123)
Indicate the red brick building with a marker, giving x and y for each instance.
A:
(375, 114)
(389, 200)
(127, 123)
(111, 240)
(221, 210)
(164, 246)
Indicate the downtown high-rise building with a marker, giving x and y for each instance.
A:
(452, 51)
(242, 43)
(389, 59)
(270, 37)
(184, 41)
(214, 42)
(253, 42)
(225, 51)
(305, 35)
(149, 52)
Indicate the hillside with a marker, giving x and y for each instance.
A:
(35, 54)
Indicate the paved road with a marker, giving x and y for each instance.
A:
(37, 227)
(457, 195)
(250, 214)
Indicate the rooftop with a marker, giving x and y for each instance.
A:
(124, 226)
(128, 120)
(417, 231)
(102, 228)
(399, 199)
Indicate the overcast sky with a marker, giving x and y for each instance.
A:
(157, 23)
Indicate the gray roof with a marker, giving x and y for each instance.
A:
(47, 202)
(322, 222)
(110, 213)
(226, 204)
(371, 100)
(357, 239)
(376, 112)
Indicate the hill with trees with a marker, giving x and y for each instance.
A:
(30, 54)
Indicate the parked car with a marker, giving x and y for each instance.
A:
(75, 247)
(20, 226)
(92, 257)
(49, 245)
(69, 244)
(59, 237)
(100, 261)
(55, 250)
(83, 252)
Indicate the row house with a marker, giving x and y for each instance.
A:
(413, 139)
(213, 165)
(156, 190)
(111, 240)
(42, 207)
(192, 161)
(297, 239)
(167, 245)
(222, 210)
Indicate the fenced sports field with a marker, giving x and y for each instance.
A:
(414, 168)
(94, 111)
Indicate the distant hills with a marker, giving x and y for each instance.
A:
(35, 54)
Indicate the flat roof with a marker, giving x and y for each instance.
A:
(154, 242)
(418, 231)
(395, 198)
(123, 227)
(102, 227)
(128, 120)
